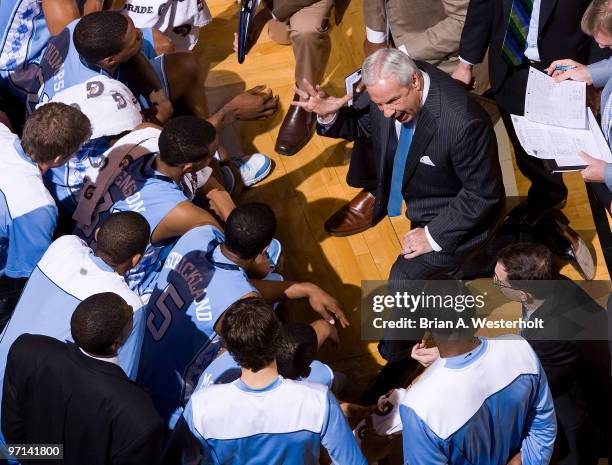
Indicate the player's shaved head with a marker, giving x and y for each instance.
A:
(298, 350)
(54, 130)
(122, 235)
(100, 322)
(252, 333)
(100, 35)
(249, 229)
(186, 139)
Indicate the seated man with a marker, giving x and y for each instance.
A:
(69, 272)
(281, 421)
(204, 274)
(296, 360)
(27, 26)
(161, 187)
(484, 401)
(75, 395)
(28, 215)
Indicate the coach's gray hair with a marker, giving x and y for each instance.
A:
(388, 62)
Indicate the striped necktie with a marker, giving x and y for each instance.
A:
(515, 40)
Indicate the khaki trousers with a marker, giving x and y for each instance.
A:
(307, 32)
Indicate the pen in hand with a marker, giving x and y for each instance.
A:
(564, 68)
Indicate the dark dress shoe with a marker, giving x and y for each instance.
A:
(354, 217)
(296, 130)
(526, 216)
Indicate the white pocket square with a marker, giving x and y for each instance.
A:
(426, 160)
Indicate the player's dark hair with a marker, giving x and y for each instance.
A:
(446, 303)
(186, 139)
(99, 321)
(54, 130)
(100, 35)
(249, 229)
(252, 333)
(121, 236)
(528, 265)
(298, 350)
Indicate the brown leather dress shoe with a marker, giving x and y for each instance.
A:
(354, 217)
(296, 130)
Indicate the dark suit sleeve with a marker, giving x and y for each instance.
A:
(283, 9)
(13, 427)
(350, 124)
(476, 34)
(476, 163)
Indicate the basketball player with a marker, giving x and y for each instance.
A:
(281, 421)
(28, 215)
(204, 274)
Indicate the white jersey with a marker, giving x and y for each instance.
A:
(66, 275)
(28, 215)
(181, 20)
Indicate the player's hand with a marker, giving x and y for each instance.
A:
(256, 103)
(463, 73)
(162, 105)
(325, 330)
(371, 47)
(220, 202)
(579, 73)
(425, 356)
(415, 243)
(325, 305)
(315, 100)
(516, 460)
(354, 413)
(595, 172)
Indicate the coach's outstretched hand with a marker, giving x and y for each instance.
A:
(316, 100)
(256, 103)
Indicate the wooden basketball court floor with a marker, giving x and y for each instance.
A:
(304, 190)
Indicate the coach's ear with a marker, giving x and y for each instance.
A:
(96, 232)
(135, 260)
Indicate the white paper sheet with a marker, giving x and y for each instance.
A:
(562, 144)
(559, 104)
(350, 83)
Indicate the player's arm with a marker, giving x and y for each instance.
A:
(220, 199)
(537, 446)
(58, 13)
(337, 437)
(320, 301)
(138, 70)
(182, 218)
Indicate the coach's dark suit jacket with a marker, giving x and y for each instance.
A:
(460, 197)
(559, 34)
(55, 394)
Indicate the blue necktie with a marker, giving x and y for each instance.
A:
(394, 207)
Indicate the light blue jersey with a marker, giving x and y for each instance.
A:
(65, 182)
(62, 67)
(24, 36)
(194, 288)
(480, 408)
(142, 189)
(28, 215)
(285, 423)
(66, 275)
(224, 369)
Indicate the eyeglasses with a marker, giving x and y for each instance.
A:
(499, 283)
